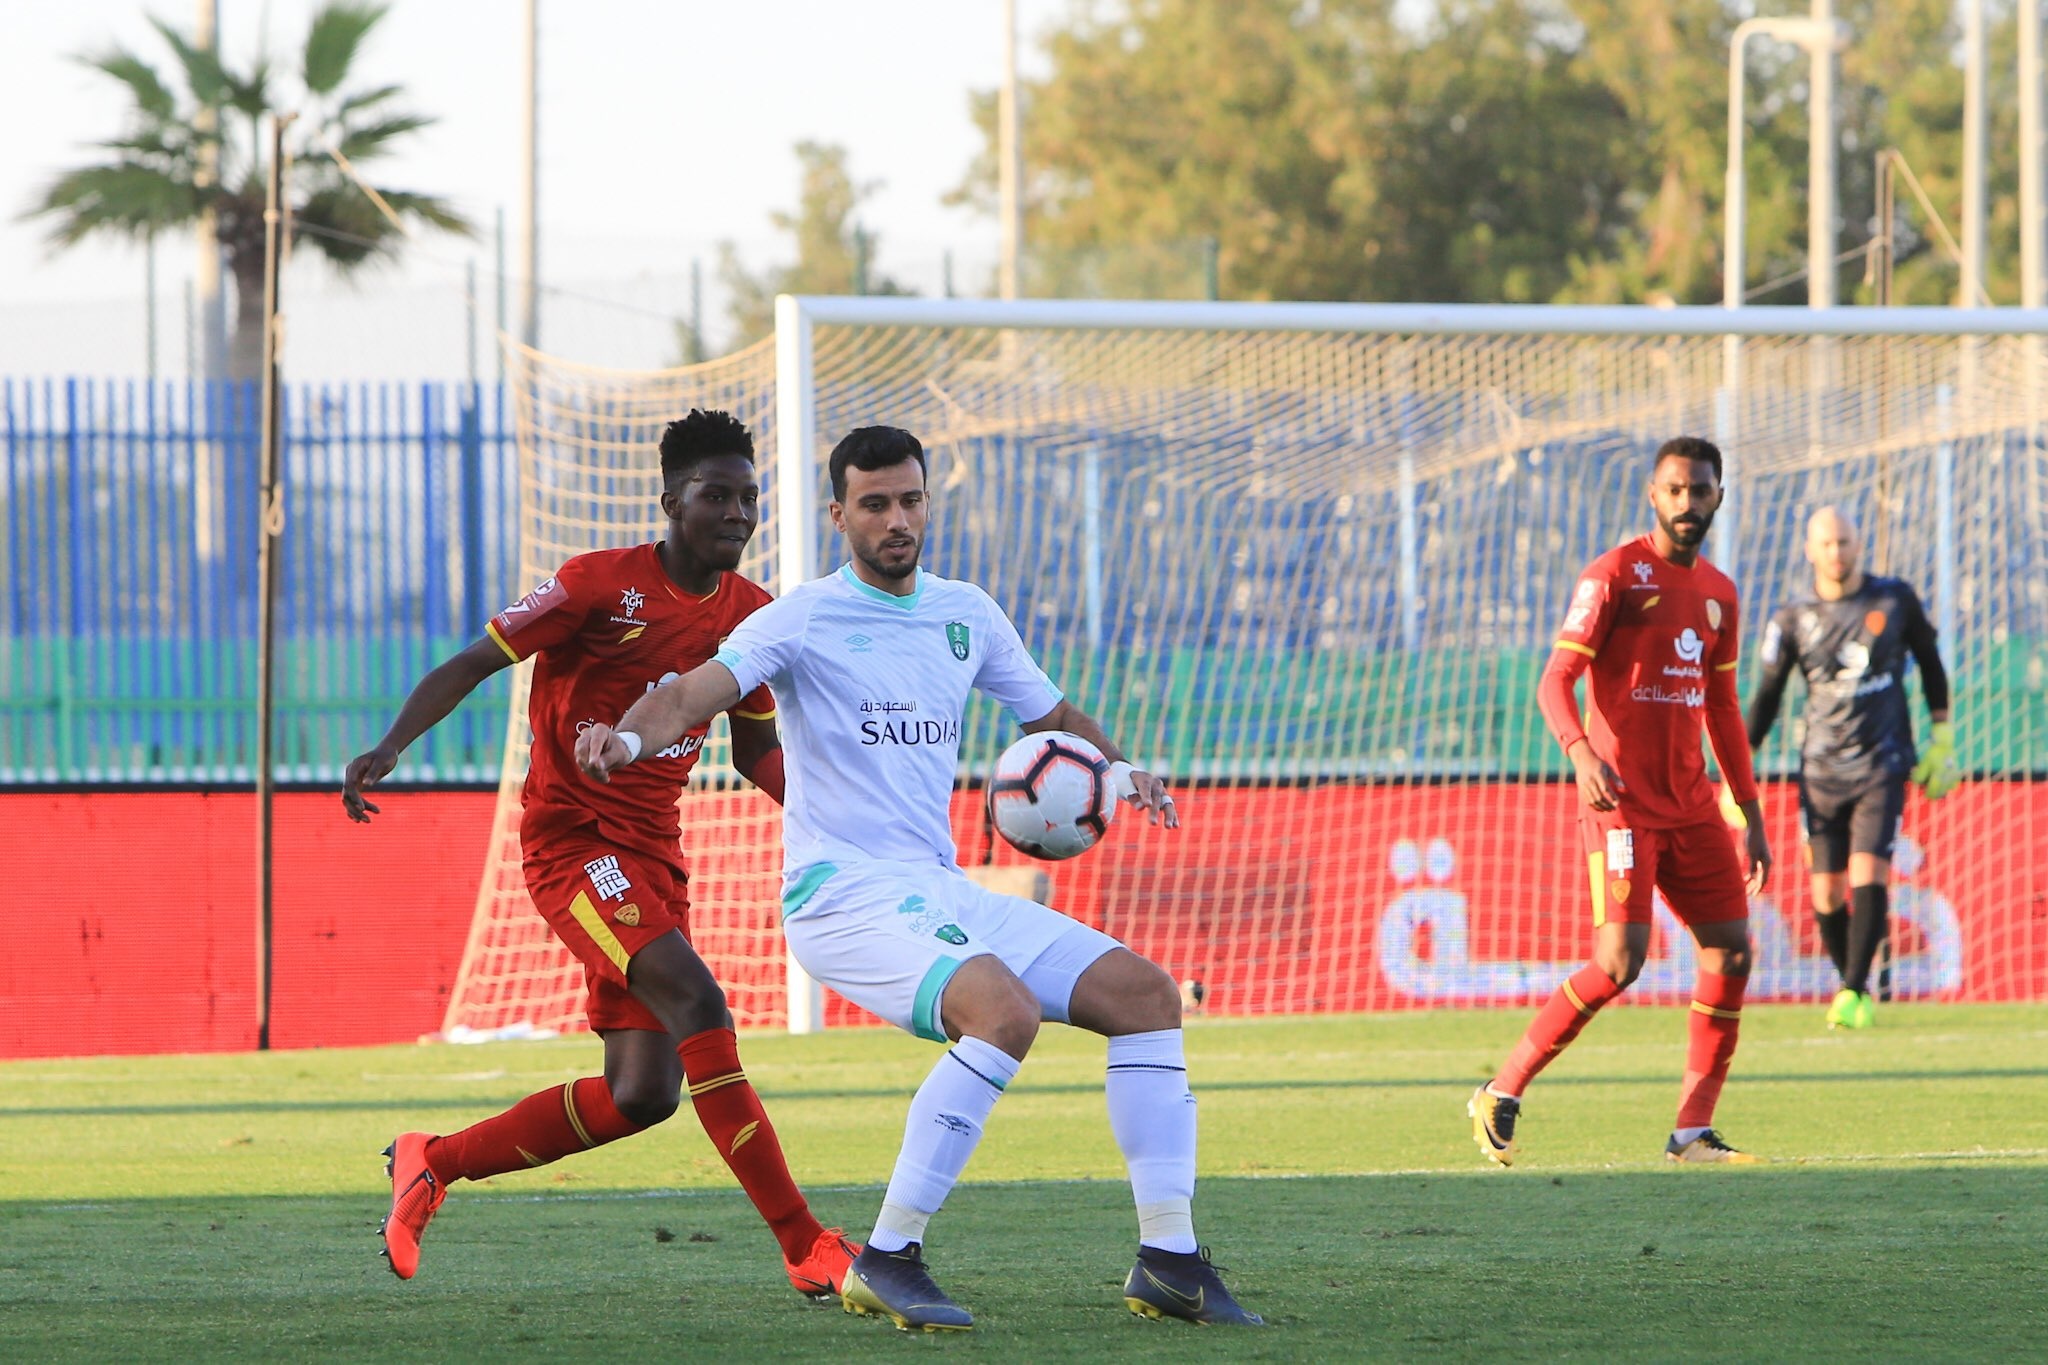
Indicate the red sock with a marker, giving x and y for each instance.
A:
(540, 1128)
(738, 1127)
(1715, 1021)
(1555, 1025)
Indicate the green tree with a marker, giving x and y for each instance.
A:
(154, 180)
(1496, 150)
(1329, 151)
(834, 253)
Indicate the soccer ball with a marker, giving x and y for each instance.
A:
(1050, 796)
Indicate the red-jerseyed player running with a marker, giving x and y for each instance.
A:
(603, 863)
(1656, 627)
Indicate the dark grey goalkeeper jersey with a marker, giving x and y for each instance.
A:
(1853, 652)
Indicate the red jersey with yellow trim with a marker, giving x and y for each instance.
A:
(609, 628)
(1659, 640)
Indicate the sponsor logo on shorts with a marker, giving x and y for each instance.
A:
(926, 918)
(606, 877)
(628, 915)
(1621, 850)
(1618, 890)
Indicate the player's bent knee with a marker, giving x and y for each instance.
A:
(1622, 968)
(985, 1000)
(645, 1105)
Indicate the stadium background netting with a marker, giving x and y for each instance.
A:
(1312, 577)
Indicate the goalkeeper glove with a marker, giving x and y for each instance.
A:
(1936, 772)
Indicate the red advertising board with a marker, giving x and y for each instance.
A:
(132, 919)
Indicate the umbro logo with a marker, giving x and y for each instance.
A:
(860, 644)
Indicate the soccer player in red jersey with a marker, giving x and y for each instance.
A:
(1656, 626)
(604, 863)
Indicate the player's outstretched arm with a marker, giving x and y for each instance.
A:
(431, 699)
(1147, 791)
(757, 752)
(657, 720)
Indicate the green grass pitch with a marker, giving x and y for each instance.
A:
(227, 1206)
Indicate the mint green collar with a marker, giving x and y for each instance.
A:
(906, 603)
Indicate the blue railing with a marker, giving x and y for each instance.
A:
(128, 624)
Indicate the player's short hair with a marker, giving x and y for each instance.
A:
(705, 434)
(872, 448)
(1690, 448)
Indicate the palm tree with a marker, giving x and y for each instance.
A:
(156, 179)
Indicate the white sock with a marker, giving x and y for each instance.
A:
(1152, 1113)
(1685, 1135)
(944, 1126)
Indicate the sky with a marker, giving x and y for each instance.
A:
(666, 128)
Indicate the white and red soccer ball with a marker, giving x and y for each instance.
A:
(1052, 795)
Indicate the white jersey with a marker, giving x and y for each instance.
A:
(870, 689)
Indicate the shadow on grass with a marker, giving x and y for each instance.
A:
(479, 1100)
(1761, 1263)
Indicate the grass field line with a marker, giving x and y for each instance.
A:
(1463, 1168)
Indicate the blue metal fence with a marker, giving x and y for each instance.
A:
(127, 647)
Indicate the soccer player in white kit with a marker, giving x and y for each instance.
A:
(871, 668)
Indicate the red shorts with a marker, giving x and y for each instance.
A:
(1695, 866)
(607, 904)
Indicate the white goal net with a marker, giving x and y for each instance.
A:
(1307, 560)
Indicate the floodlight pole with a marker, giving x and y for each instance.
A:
(1010, 164)
(2033, 221)
(269, 530)
(1822, 36)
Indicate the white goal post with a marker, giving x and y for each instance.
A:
(1307, 559)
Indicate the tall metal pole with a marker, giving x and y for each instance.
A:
(1970, 292)
(1820, 167)
(213, 313)
(2032, 294)
(529, 181)
(270, 528)
(498, 243)
(1009, 161)
(1735, 201)
(149, 300)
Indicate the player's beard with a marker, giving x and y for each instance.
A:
(872, 557)
(1688, 534)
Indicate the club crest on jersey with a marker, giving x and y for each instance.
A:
(1874, 622)
(630, 602)
(1713, 614)
(956, 638)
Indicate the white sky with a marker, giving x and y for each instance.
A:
(666, 127)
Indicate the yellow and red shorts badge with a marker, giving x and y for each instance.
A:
(1619, 891)
(628, 915)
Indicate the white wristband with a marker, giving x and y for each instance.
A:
(632, 743)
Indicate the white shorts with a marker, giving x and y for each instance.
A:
(889, 936)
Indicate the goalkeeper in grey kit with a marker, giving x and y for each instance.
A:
(1852, 640)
